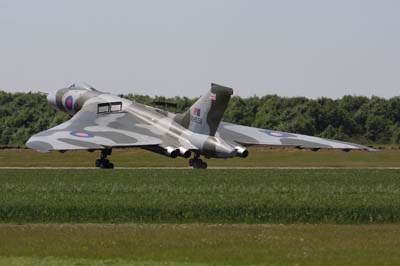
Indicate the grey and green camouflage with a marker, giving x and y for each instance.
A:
(102, 121)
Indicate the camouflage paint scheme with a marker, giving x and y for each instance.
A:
(131, 124)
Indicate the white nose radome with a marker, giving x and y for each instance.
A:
(51, 99)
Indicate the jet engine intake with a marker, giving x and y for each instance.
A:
(184, 152)
(241, 151)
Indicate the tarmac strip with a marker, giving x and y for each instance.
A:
(211, 167)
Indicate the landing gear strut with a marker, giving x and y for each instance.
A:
(103, 162)
(197, 163)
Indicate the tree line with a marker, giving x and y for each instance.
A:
(359, 119)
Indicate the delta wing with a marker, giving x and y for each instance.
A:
(90, 129)
(256, 136)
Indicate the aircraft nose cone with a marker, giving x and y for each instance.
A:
(51, 99)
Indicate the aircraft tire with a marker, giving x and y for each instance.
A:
(199, 164)
(104, 164)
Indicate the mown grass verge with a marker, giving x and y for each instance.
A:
(211, 196)
(199, 244)
(258, 157)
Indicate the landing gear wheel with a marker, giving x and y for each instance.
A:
(197, 163)
(103, 163)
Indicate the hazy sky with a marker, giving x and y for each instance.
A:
(308, 48)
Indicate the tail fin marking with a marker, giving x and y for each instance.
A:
(206, 113)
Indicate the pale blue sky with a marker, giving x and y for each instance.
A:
(309, 48)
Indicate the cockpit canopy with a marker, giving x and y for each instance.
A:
(82, 86)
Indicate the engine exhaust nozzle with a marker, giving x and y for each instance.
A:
(241, 151)
(186, 153)
(171, 151)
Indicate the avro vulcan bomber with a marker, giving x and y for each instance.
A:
(102, 121)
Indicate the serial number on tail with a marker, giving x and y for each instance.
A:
(196, 119)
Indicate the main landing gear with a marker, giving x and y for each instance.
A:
(103, 162)
(197, 163)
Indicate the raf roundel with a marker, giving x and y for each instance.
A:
(82, 134)
(276, 134)
(69, 102)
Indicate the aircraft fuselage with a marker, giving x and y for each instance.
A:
(184, 141)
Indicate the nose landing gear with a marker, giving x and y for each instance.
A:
(197, 163)
(103, 162)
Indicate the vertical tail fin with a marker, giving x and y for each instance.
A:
(206, 113)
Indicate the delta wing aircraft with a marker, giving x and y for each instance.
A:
(102, 121)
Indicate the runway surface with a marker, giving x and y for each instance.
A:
(211, 168)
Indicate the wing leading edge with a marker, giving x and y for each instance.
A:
(256, 136)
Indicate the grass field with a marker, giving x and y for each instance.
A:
(257, 157)
(213, 217)
(213, 196)
(200, 244)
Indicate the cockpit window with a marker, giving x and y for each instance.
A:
(82, 86)
(109, 107)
